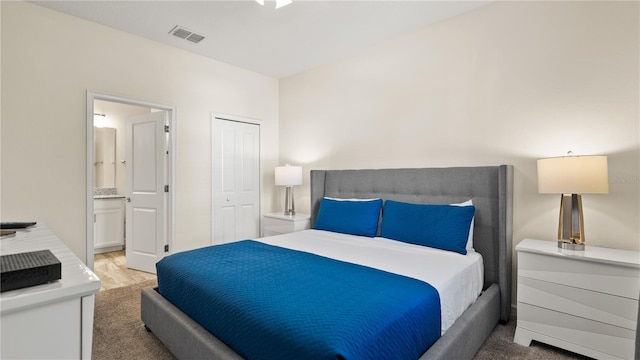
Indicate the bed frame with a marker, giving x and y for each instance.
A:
(490, 188)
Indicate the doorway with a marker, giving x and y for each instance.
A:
(109, 176)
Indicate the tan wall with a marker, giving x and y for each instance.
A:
(508, 83)
(49, 62)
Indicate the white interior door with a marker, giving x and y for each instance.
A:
(235, 181)
(146, 220)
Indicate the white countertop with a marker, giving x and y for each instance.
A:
(76, 280)
(95, 197)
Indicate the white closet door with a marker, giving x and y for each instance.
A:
(235, 181)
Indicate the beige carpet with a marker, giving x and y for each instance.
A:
(119, 333)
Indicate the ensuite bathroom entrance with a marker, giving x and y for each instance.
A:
(129, 205)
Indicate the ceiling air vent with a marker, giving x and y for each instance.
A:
(186, 34)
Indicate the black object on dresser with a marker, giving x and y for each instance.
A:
(28, 269)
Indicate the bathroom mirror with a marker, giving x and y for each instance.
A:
(104, 157)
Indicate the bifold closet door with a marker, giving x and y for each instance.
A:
(235, 181)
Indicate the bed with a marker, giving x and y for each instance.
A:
(490, 189)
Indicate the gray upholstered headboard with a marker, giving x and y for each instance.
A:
(490, 187)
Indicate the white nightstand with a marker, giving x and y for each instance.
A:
(278, 223)
(581, 301)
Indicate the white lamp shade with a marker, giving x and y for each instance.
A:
(573, 175)
(288, 175)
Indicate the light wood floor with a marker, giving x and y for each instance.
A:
(112, 270)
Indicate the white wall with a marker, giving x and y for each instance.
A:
(50, 60)
(508, 83)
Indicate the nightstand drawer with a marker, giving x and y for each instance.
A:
(606, 278)
(276, 224)
(605, 340)
(609, 309)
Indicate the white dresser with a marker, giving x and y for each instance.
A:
(50, 321)
(278, 223)
(581, 301)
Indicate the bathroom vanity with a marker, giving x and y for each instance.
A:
(108, 223)
(108, 205)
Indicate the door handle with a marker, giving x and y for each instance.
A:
(128, 199)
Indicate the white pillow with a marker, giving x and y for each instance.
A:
(470, 238)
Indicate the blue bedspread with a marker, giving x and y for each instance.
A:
(268, 302)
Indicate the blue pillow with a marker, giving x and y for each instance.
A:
(443, 227)
(357, 217)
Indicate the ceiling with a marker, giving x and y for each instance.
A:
(274, 42)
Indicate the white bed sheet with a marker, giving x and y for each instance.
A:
(458, 278)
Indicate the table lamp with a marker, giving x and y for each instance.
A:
(288, 176)
(571, 176)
